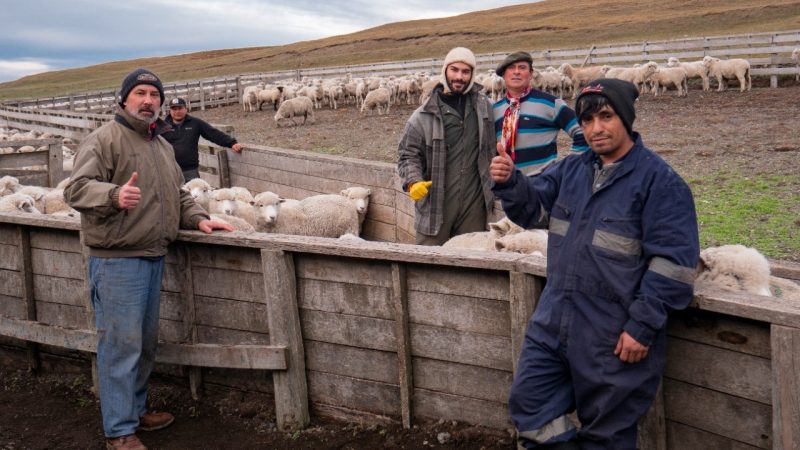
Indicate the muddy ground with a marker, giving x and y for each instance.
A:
(753, 132)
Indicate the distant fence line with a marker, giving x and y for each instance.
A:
(768, 53)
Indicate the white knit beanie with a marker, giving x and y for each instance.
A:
(462, 55)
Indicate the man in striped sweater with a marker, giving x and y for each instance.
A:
(527, 120)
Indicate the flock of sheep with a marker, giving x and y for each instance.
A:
(290, 99)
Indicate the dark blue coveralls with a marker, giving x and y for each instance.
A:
(620, 256)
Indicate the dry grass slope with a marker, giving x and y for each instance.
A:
(548, 24)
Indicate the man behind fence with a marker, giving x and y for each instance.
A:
(185, 135)
(126, 185)
(622, 251)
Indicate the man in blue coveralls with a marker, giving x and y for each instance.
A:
(622, 251)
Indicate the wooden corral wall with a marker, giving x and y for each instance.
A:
(769, 54)
(62, 123)
(38, 167)
(298, 174)
(383, 331)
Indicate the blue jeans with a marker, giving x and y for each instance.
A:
(126, 293)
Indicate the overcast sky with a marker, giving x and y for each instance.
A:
(43, 35)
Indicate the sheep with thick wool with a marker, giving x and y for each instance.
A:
(237, 223)
(670, 77)
(9, 185)
(54, 204)
(531, 242)
(582, 75)
(200, 191)
(327, 215)
(693, 69)
(484, 240)
(37, 193)
(729, 69)
(295, 107)
(380, 99)
(225, 201)
(18, 203)
(636, 75)
(734, 268)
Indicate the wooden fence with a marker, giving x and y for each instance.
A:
(769, 54)
(41, 167)
(381, 331)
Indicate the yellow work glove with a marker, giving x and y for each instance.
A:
(419, 190)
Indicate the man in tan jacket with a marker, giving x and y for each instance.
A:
(127, 187)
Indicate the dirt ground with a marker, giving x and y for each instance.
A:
(753, 132)
(56, 409)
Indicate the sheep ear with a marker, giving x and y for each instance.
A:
(253, 202)
(343, 192)
(702, 265)
(369, 191)
(281, 199)
(499, 245)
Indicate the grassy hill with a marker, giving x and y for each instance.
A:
(548, 24)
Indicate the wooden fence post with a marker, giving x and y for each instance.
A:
(202, 97)
(653, 425)
(283, 315)
(183, 251)
(239, 89)
(224, 168)
(400, 301)
(26, 275)
(87, 299)
(785, 343)
(524, 290)
(55, 165)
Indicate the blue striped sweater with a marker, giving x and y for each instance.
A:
(541, 116)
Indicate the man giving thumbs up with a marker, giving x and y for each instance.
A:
(127, 187)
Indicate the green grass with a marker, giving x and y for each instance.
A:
(758, 211)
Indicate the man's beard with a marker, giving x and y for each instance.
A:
(139, 114)
(457, 91)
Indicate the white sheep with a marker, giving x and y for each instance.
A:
(636, 75)
(295, 107)
(327, 215)
(693, 69)
(18, 203)
(200, 191)
(379, 99)
(734, 268)
(532, 242)
(670, 76)
(9, 185)
(54, 204)
(582, 75)
(359, 196)
(225, 201)
(268, 206)
(271, 95)
(237, 223)
(37, 193)
(727, 70)
(484, 240)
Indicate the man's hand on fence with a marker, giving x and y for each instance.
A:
(237, 147)
(129, 194)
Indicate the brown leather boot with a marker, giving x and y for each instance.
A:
(129, 442)
(152, 421)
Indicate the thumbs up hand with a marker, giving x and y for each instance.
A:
(502, 166)
(129, 194)
(419, 190)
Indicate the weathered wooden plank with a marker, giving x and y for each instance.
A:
(786, 387)
(172, 307)
(26, 275)
(66, 291)
(53, 239)
(776, 311)
(12, 283)
(234, 314)
(652, 428)
(524, 293)
(9, 257)
(457, 346)
(229, 258)
(361, 395)
(67, 316)
(345, 298)
(230, 356)
(725, 415)
(347, 415)
(12, 307)
(57, 264)
(373, 230)
(437, 405)
(245, 380)
(291, 390)
(683, 437)
(183, 254)
(357, 331)
(215, 335)
(462, 380)
(352, 362)
(8, 233)
(719, 369)
(742, 335)
(33, 331)
(459, 312)
(171, 278)
(328, 268)
(485, 284)
(401, 330)
(27, 159)
(228, 284)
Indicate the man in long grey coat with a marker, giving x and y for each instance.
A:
(445, 152)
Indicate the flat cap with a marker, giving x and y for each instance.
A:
(511, 59)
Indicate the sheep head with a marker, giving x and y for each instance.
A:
(268, 205)
(359, 196)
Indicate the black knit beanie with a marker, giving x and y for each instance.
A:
(621, 94)
(137, 77)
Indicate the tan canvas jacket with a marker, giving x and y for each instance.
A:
(106, 160)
